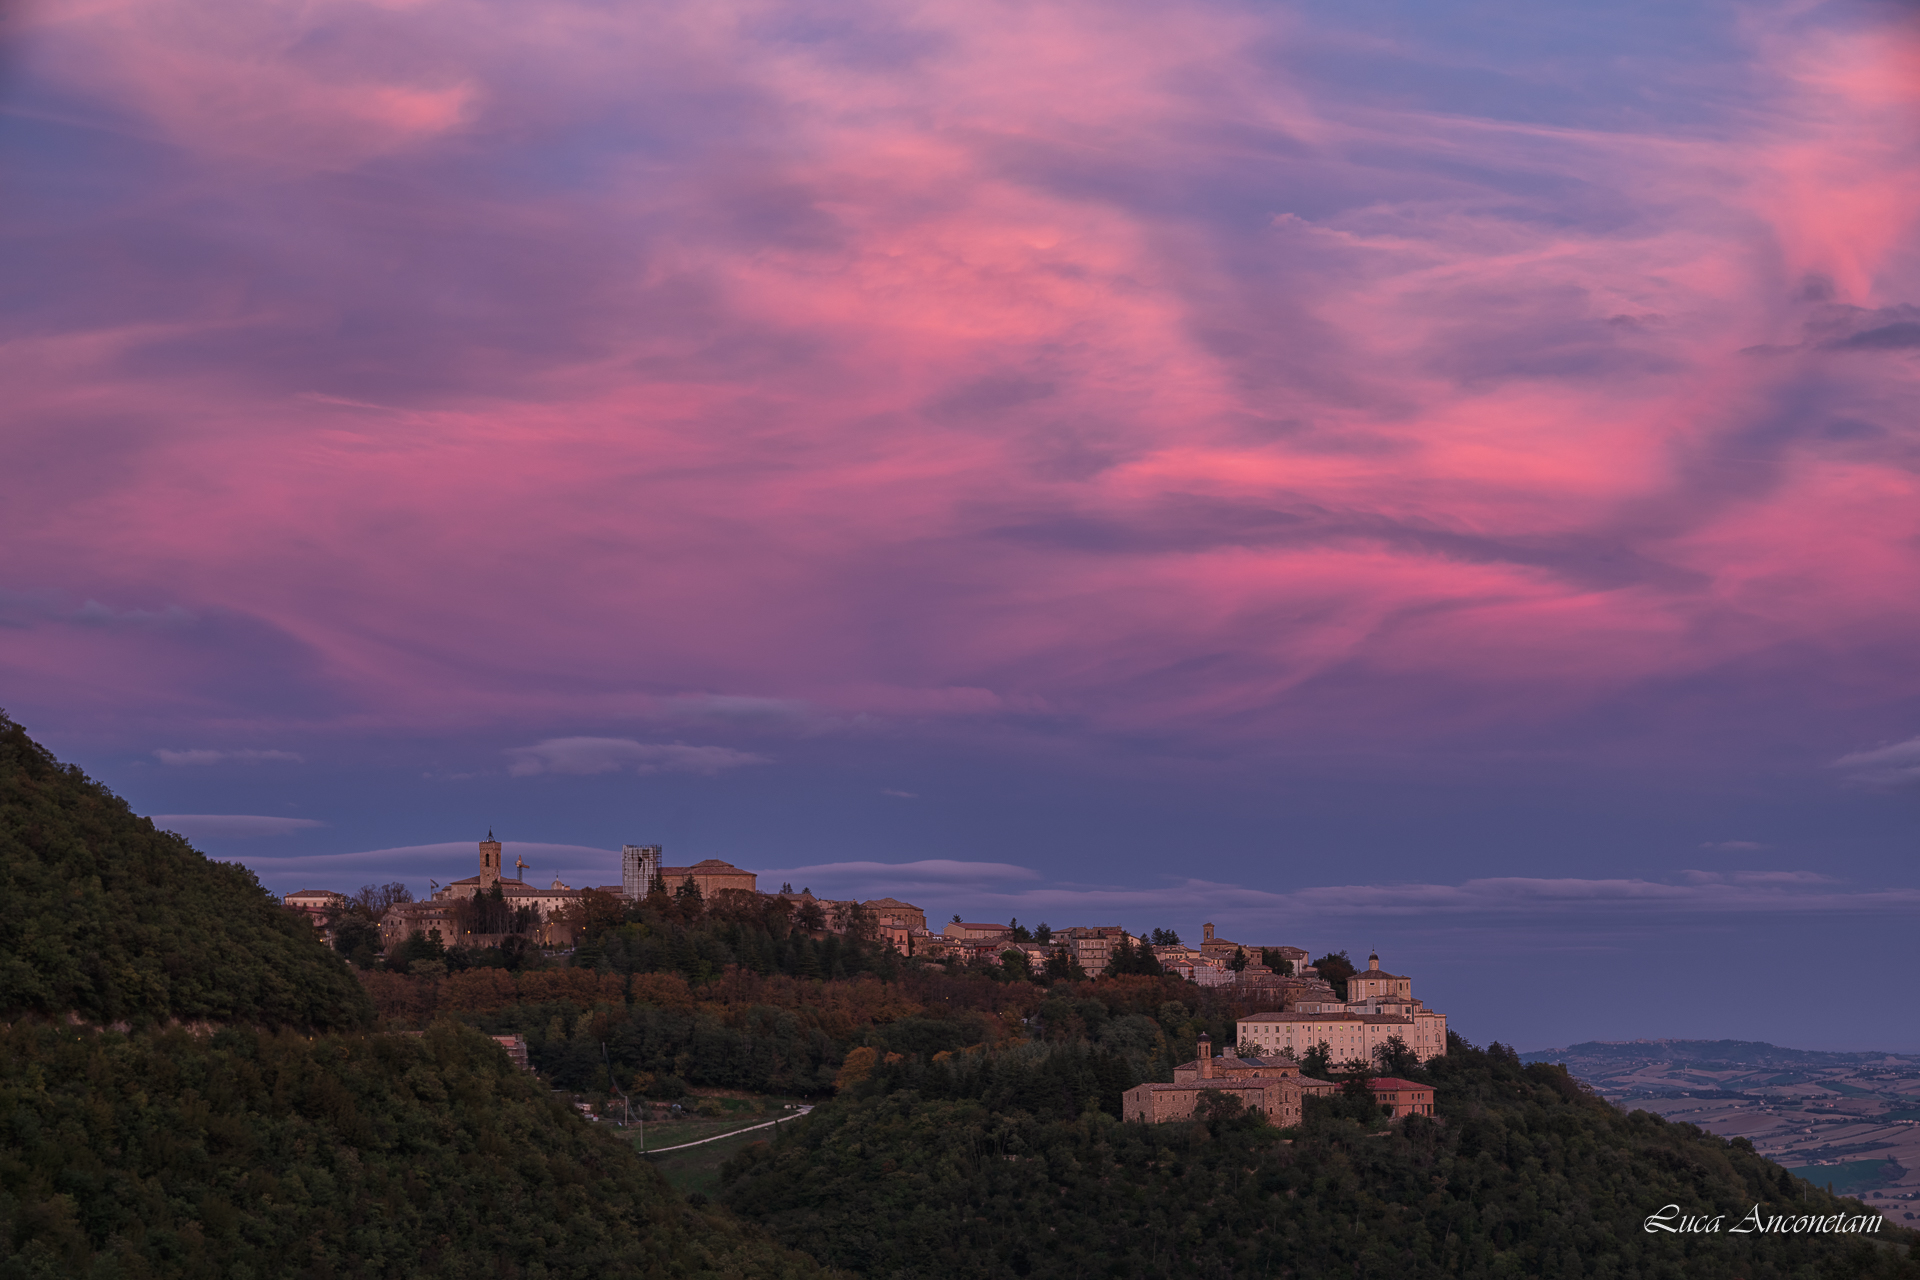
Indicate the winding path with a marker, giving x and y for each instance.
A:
(733, 1134)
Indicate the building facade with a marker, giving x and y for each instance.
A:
(1399, 1097)
(709, 875)
(1273, 1088)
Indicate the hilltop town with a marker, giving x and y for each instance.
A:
(1315, 1013)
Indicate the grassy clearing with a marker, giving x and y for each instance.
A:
(1847, 1178)
(698, 1168)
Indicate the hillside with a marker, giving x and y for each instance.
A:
(270, 1145)
(921, 1173)
(114, 921)
(1852, 1119)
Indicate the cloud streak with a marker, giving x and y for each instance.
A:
(204, 756)
(613, 755)
(231, 826)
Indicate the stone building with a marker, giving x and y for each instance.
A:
(1373, 981)
(710, 875)
(1273, 1088)
(964, 932)
(1380, 1005)
(1399, 1097)
(552, 907)
(322, 907)
(897, 922)
(1091, 946)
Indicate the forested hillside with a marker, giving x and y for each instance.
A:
(311, 1121)
(109, 919)
(276, 1134)
(1022, 1169)
(254, 1154)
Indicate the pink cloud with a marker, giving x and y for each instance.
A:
(554, 369)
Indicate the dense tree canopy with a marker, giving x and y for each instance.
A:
(112, 920)
(253, 1154)
(1019, 1167)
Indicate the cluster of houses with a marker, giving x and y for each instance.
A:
(1261, 1068)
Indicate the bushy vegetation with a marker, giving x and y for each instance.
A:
(111, 920)
(1522, 1174)
(253, 1154)
(659, 1034)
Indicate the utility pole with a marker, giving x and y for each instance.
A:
(626, 1103)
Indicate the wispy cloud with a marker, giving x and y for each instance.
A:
(200, 756)
(904, 795)
(612, 755)
(1733, 846)
(232, 826)
(929, 871)
(1892, 766)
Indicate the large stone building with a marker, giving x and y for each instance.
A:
(961, 931)
(552, 908)
(1373, 981)
(710, 876)
(1380, 1006)
(1091, 946)
(897, 922)
(1272, 1086)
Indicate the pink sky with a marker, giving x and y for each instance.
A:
(742, 399)
(533, 368)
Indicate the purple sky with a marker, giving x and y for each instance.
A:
(1429, 477)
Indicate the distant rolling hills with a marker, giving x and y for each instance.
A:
(1849, 1119)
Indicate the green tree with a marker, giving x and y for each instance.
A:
(1239, 962)
(1318, 1062)
(1335, 968)
(1396, 1058)
(355, 934)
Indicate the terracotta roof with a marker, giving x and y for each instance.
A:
(1395, 1082)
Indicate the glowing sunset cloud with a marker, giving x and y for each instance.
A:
(1213, 374)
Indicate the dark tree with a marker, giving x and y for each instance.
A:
(1318, 1062)
(1271, 957)
(1336, 969)
(356, 933)
(1239, 962)
(1165, 938)
(1016, 965)
(1396, 1058)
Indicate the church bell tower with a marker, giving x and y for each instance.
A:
(489, 863)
